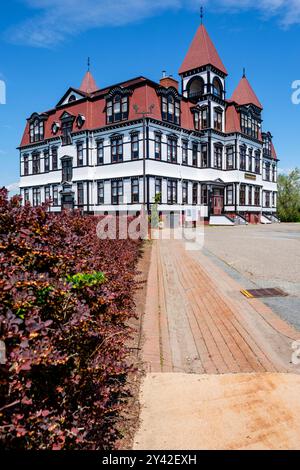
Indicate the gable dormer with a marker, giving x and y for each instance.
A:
(71, 96)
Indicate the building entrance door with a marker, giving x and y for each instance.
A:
(218, 202)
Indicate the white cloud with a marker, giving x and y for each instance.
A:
(57, 20)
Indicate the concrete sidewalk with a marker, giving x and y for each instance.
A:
(240, 411)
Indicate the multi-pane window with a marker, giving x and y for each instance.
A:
(229, 195)
(204, 194)
(242, 195)
(184, 192)
(36, 197)
(274, 173)
(204, 156)
(250, 160)
(67, 170)
(66, 129)
(172, 192)
(135, 146)
(267, 145)
(217, 88)
(197, 120)
(157, 145)
(100, 192)
(243, 158)
(100, 152)
(26, 195)
(257, 196)
(218, 120)
(117, 192)
(274, 199)
(26, 165)
(172, 150)
(257, 163)
(36, 131)
(230, 158)
(117, 109)
(47, 193)
(249, 125)
(46, 161)
(267, 199)
(195, 193)
(80, 194)
(218, 156)
(55, 194)
(80, 154)
(54, 158)
(267, 172)
(158, 188)
(135, 190)
(171, 109)
(117, 150)
(185, 146)
(195, 154)
(250, 191)
(204, 118)
(35, 163)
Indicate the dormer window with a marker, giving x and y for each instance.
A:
(117, 108)
(171, 109)
(249, 125)
(36, 130)
(67, 121)
(72, 98)
(267, 145)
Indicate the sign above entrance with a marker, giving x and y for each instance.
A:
(250, 176)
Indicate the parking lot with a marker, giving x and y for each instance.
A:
(261, 256)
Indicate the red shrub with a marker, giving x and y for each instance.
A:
(64, 382)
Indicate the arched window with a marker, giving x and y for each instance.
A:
(217, 88)
(195, 88)
(171, 109)
(36, 130)
(117, 108)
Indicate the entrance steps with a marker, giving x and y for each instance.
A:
(265, 220)
(221, 220)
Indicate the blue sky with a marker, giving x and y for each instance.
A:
(44, 45)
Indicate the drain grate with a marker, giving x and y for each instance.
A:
(258, 293)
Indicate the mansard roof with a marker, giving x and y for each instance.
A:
(244, 94)
(202, 52)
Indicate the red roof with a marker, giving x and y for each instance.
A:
(233, 120)
(94, 109)
(202, 52)
(273, 151)
(88, 84)
(244, 94)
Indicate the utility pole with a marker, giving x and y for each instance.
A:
(144, 114)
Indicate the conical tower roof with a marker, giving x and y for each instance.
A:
(202, 52)
(88, 84)
(244, 94)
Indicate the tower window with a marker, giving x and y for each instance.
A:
(204, 118)
(217, 88)
(218, 120)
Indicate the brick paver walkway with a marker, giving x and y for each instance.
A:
(197, 321)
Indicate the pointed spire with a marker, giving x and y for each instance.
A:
(202, 52)
(244, 93)
(244, 73)
(201, 14)
(88, 84)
